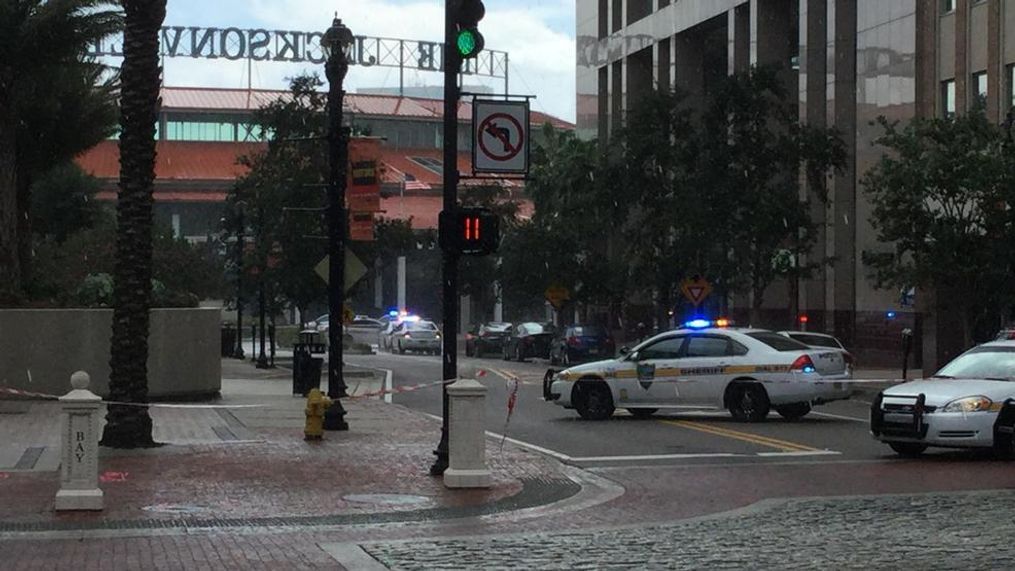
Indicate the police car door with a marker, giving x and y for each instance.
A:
(650, 374)
(703, 364)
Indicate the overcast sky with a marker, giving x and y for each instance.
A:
(537, 34)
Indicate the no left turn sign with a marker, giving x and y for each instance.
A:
(500, 136)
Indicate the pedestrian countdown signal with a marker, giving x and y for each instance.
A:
(469, 231)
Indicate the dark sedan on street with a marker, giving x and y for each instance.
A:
(529, 339)
(486, 338)
(578, 343)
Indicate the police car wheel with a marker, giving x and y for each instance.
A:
(749, 402)
(794, 411)
(908, 449)
(594, 401)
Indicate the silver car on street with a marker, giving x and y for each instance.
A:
(956, 408)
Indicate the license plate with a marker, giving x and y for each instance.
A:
(593, 351)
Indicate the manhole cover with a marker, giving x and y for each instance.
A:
(387, 499)
(175, 509)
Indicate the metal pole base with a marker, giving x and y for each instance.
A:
(239, 355)
(334, 417)
(262, 362)
(441, 463)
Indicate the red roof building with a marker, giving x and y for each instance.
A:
(203, 131)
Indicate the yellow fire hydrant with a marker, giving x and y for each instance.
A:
(316, 405)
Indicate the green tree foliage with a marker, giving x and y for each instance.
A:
(677, 192)
(185, 272)
(942, 199)
(282, 196)
(54, 103)
(753, 153)
(565, 243)
(63, 202)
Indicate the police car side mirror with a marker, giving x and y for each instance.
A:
(625, 350)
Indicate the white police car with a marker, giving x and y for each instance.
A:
(747, 371)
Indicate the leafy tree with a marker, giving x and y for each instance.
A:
(942, 199)
(131, 426)
(753, 150)
(565, 244)
(282, 196)
(63, 202)
(652, 159)
(54, 103)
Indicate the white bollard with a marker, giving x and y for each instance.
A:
(466, 436)
(79, 465)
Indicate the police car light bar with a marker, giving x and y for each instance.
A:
(697, 324)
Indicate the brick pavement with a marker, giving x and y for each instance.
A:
(930, 531)
(253, 498)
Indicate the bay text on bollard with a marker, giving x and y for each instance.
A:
(79, 462)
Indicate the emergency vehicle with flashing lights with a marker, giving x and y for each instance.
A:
(705, 365)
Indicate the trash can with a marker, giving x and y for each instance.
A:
(306, 367)
(228, 340)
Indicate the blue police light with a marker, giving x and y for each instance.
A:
(809, 369)
(890, 315)
(697, 324)
(393, 313)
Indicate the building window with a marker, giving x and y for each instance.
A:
(948, 98)
(947, 6)
(978, 86)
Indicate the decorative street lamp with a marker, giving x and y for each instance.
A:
(336, 44)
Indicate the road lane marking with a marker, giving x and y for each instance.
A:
(841, 417)
(782, 445)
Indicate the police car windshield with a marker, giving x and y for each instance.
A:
(997, 363)
(421, 325)
(778, 342)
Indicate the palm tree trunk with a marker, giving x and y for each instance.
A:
(131, 426)
(10, 266)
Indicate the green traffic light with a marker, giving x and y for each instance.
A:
(466, 43)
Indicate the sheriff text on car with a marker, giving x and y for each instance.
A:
(747, 371)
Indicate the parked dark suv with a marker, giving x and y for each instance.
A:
(577, 343)
(486, 338)
(528, 340)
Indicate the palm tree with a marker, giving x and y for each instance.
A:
(131, 426)
(43, 43)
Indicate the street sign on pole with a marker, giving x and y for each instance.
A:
(354, 269)
(695, 290)
(500, 136)
(557, 295)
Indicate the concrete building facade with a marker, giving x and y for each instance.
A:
(850, 61)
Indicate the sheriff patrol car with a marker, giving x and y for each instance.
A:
(747, 371)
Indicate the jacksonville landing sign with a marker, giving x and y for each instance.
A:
(290, 46)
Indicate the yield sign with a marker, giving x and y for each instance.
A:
(354, 269)
(695, 290)
(500, 136)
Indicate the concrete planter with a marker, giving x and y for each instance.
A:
(40, 348)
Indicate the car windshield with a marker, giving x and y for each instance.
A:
(499, 327)
(982, 363)
(589, 331)
(816, 340)
(777, 342)
(422, 326)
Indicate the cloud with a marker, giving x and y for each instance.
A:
(542, 58)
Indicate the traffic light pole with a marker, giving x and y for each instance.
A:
(449, 259)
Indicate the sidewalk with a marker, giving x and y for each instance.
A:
(246, 473)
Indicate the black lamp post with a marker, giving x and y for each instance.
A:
(262, 358)
(240, 239)
(336, 44)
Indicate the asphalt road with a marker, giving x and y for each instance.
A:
(833, 432)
